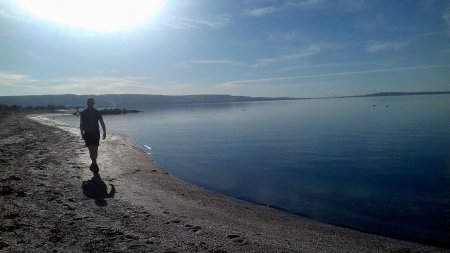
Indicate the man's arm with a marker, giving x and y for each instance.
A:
(102, 123)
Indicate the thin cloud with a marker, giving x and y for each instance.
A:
(287, 5)
(6, 15)
(91, 85)
(283, 6)
(236, 84)
(301, 54)
(75, 85)
(108, 85)
(328, 65)
(10, 79)
(187, 64)
(284, 36)
(304, 3)
(308, 52)
(190, 23)
(374, 46)
(421, 35)
(101, 85)
(261, 12)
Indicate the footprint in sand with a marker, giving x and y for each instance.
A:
(237, 239)
(195, 229)
(231, 236)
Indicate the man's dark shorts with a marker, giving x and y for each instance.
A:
(92, 138)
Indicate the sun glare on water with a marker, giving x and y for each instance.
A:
(94, 15)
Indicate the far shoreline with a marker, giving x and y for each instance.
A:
(50, 103)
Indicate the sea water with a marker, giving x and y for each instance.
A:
(375, 164)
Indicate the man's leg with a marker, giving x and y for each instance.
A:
(93, 153)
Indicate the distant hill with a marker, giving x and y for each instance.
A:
(126, 100)
(389, 94)
(384, 94)
(136, 101)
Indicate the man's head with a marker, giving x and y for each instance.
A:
(90, 102)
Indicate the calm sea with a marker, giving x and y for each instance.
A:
(380, 164)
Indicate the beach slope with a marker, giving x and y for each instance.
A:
(51, 201)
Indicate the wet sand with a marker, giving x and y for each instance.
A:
(51, 201)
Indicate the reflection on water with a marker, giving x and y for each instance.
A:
(378, 164)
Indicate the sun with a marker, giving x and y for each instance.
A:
(94, 15)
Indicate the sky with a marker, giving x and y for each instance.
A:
(271, 48)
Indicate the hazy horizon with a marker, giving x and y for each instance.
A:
(397, 93)
(258, 48)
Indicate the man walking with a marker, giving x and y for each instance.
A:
(90, 131)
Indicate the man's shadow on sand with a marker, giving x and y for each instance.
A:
(96, 189)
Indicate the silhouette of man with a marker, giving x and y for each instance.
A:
(90, 131)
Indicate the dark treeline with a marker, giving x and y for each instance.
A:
(4, 109)
(17, 108)
(117, 111)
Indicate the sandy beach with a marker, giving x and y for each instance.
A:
(52, 202)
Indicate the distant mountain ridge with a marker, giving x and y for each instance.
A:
(137, 101)
(386, 94)
(126, 100)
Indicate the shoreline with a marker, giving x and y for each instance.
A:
(152, 209)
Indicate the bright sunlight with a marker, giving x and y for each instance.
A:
(94, 15)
